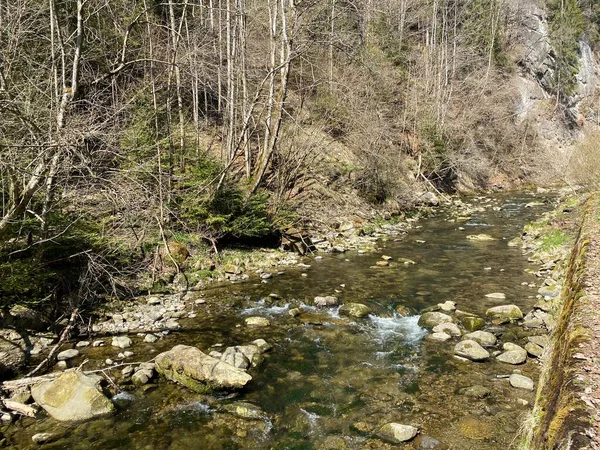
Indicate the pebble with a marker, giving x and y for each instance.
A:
(128, 354)
(109, 362)
(98, 343)
(83, 344)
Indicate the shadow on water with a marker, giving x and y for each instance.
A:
(329, 378)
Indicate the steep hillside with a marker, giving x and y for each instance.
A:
(130, 126)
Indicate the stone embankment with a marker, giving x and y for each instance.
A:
(567, 409)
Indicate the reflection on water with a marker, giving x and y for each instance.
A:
(330, 380)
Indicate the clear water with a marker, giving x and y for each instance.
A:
(329, 381)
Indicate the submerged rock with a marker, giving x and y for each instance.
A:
(480, 237)
(72, 396)
(471, 350)
(245, 410)
(355, 310)
(257, 321)
(475, 391)
(448, 328)
(197, 371)
(432, 319)
(397, 433)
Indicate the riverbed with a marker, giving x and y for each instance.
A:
(330, 381)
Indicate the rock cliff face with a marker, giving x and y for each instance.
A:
(558, 127)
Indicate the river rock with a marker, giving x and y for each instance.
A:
(476, 391)
(197, 371)
(447, 306)
(233, 357)
(431, 319)
(513, 354)
(541, 340)
(471, 350)
(549, 291)
(83, 344)
(44, 438)
(510, 312)
(67, 354)
(355, 310)
(150, 338)
(521, 381)
(140, 377)
(246, 410)
(257, 321)
(480, 237)
(496, 295)
(439, 337)
(472, 323)
(484, 338)
(405, 311)
(121, 341)
(397, 433)
(448, 328)
(72, 396)
(534, 349)
(262, 345)
(326, 301)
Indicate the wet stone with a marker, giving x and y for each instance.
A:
(448, 328)
(521, 382)
(433, 318)
(121, 342)
(439, 337)
(534, 349)
(397, 433)
(471, 350)
(484, 338)
(257, 322)
(67, 354)
(475, 391)
(472, 323)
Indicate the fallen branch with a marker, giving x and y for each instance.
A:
(63, 337)
(13, 385)
(22, 409)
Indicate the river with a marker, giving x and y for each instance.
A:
(329, 381)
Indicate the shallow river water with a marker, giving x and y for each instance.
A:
(330, 381)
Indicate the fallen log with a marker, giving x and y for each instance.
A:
(20, 408)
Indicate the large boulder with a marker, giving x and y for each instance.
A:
(433, 318)
(471, 350)
(197, 371)
(72, 396)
